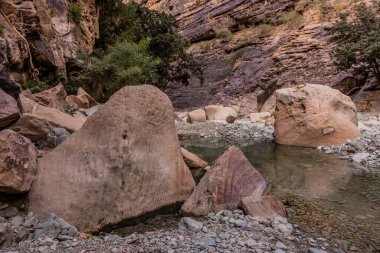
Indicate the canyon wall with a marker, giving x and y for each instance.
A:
(37, 38)
(250, 48)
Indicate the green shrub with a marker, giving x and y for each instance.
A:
(35, 86)
(357, 40)
(1, 29)
(132, 23)
(74, 13)
(124, 63)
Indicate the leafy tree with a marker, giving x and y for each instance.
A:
(74, 12)
(133, 23)
(123, 63)
(357, 39)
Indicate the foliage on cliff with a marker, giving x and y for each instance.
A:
(357, 39)
(160, 51)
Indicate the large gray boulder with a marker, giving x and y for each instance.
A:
(124, 162)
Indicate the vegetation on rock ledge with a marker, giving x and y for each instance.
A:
(358, 40)
(155, 50)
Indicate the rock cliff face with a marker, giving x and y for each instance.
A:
(250, 48)
(37, 38)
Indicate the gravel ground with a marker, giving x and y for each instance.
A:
(216, 132)
(225, 231)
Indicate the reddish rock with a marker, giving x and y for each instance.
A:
(124, 162)
(18, 162)
(54, 97)
(31, 126)
(86, 101)
(221, 113)
(9, 111)
(313, 115)
(198, 115)
(225, 184)
(266, 207)
(54, 117)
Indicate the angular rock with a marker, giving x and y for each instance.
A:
(224, 185)
(314, 115)
(86, 101)
(54, 117)
(9, 111)
(56, 136)
(32, 126)
(18, 162)
(54, 227)
(219, 112)
(54, 97)
(114, 173)
(198, 115)
(192, 160)
(266, 207)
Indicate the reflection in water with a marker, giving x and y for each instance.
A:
(303, 171)
(347, 203)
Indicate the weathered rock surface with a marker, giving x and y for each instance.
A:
(7, 84)
(54, 97)
(54, 117)
(18, 162)
(198, 115)
(192, 160)
(39, 34)
(225, 184)
(219, 112)
(115, 173)
(313, 115)
(32, 126)
(9, 111)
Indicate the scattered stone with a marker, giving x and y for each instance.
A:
(208, 241)
(315, 250)
(6, 235)
(191, 224)
(359, 157)
(55, 228)
(9, 212)
(54, 97)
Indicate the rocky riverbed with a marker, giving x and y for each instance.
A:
(226, 231)
(364, 150)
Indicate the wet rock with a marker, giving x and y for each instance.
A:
(9, 111)
(299, 112)
(266, 207)
(135, 168)
(18, 162)
(192, 160)
(190, 224)
(230, 179)
(197, 116)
